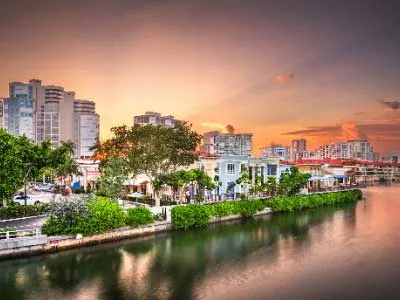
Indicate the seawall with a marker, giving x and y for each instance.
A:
(23, 247)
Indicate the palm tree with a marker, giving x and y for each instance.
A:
(69, 146)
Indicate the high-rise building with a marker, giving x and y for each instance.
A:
(86, 127)
(18, 111)
(354, 149)
(298, 147)
(154, 118)
(278, 150)
(48, 113)
(215, 142)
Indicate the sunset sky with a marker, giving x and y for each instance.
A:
(322, 70)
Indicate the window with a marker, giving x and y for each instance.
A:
(230, 169)
(271, 170)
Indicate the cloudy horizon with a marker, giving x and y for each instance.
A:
(320, 70)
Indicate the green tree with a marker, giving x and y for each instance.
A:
(151, 150)
(292, 182)
(115, 172)
(258, 186)
(180, 181)
(271, 186)
(20, 160)
(244, 179)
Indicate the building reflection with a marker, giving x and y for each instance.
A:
(170, 266)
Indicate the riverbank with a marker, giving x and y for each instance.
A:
(183, 217)
(44, 245)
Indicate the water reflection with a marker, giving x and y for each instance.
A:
(170, 266)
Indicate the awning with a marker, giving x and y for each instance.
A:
(340, 176)
(135, 195)
(315, 178)
(137, 180)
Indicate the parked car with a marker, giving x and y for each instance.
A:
(20, 200)
(47, 187)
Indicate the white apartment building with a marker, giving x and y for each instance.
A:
(18, 111)
(278, 150)
(47, 112)
(215, 142)
(353, 149)
(86, 124)
(155, 118)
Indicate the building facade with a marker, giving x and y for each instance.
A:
(278, 150)
(225, 170)
(299, 146)
(18, 111)
(47, 113)
(219, 143)
(154, 118)
(86, 127)
(353, 149)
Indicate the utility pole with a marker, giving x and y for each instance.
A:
(26, 175)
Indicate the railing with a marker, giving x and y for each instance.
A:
(13, 234)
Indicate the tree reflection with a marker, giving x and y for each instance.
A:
(164, 266)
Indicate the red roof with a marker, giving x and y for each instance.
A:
(206, 154)
(339, 162)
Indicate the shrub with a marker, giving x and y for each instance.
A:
(67, 216)
(224, 209)
(79, 190)
(299, 202)
(138, 216)
(19, 211)
(84, 216)
(105, 214)
(248, 208)
(192, 215)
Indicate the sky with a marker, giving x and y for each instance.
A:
(320, 70)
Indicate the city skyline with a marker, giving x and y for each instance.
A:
(48, 112)
(280, 70)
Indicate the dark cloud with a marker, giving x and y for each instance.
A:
(230, 129)
(390, 104)
(315, 130)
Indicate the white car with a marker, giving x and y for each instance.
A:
(44, 187)
(20, 200)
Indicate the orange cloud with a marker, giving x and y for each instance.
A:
(284, 78)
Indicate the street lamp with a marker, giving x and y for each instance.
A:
(26, 175)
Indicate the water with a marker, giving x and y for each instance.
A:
(351, 252)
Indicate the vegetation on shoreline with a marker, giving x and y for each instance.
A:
(299, 202)
(92, 215)
(20, 211)
(98, 214)
(195, 215)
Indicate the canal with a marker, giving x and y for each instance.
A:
(348, 252)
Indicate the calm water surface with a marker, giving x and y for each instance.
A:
(351, 252)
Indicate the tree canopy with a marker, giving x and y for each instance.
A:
(179, 181)
(21, 159)
(291, 183)
(152, 150)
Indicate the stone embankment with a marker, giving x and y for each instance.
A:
(41, 244)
